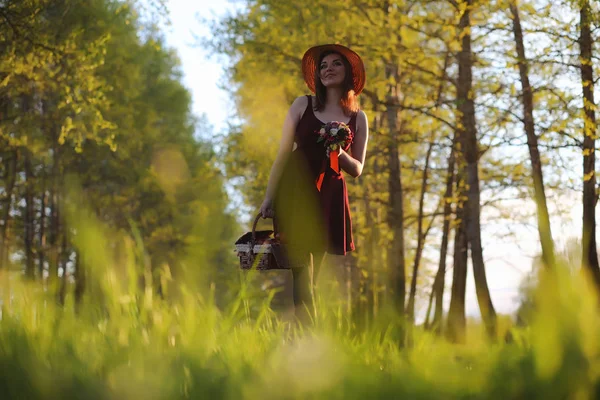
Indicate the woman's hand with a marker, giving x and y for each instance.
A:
(266, 209)
(353, 164)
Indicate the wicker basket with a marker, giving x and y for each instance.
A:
(261, 249)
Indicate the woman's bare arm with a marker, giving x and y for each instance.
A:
(285, 148)
(353, 164)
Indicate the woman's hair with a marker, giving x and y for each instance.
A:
(348, 101)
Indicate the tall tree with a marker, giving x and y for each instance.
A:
(469, 144)
(28, 216)
(396, 256)
(456, 314)
(543, 217)
(421, 235)
(590, 197)
(84, 93)
(396, 261)
(440, 277)
(9, 159)
(416, 63)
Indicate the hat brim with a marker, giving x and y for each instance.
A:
(311, 58)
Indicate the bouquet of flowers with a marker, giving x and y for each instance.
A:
(334, 135)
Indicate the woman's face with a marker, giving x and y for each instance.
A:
(332, 70)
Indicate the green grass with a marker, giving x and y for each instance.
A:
(123, 342)
(153, 350)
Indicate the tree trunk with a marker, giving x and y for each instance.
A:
(42, 235)
(372, 246)
(543, 216)
(590, 253)
(396, 217)
(466, 107)
(440, 278)
(64, 261)
(396, 261)
(456, 314)
(53, 238)
(28, 217)
(429, 304)
(79, 275)
(420, 236)
(370, 250)
(10, 177)
(54, 228)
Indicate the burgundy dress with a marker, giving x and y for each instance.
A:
(313, 220)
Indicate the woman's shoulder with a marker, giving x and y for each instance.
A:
(361, 116)
(300, 102)
(299, 106)
(362, 123)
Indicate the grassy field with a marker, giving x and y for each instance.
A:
(134, 346)
(123, 342)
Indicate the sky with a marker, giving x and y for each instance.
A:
(508, 261)
(203, 74)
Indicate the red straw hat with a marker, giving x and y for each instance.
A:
(311, 58)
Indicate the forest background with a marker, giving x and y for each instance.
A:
(121, 195)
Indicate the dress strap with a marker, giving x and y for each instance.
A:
(352, 122)
(308, 108)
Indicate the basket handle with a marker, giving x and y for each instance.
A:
(276, 231)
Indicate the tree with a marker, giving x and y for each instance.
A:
(90, 94)
(456, 314)
(439, 281)
(441, 72)
(543, 216)
(590, 197)
(421, 234)
(470, 149)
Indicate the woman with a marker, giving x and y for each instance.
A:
(308, 196)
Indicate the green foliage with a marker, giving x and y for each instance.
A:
(134, 207)
(91, 94)
(55, 74)
(123, 342)
(264, 41)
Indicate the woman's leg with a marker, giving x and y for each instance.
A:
(317, 264)
(303, 287)
(302, 290)
(303, 302)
